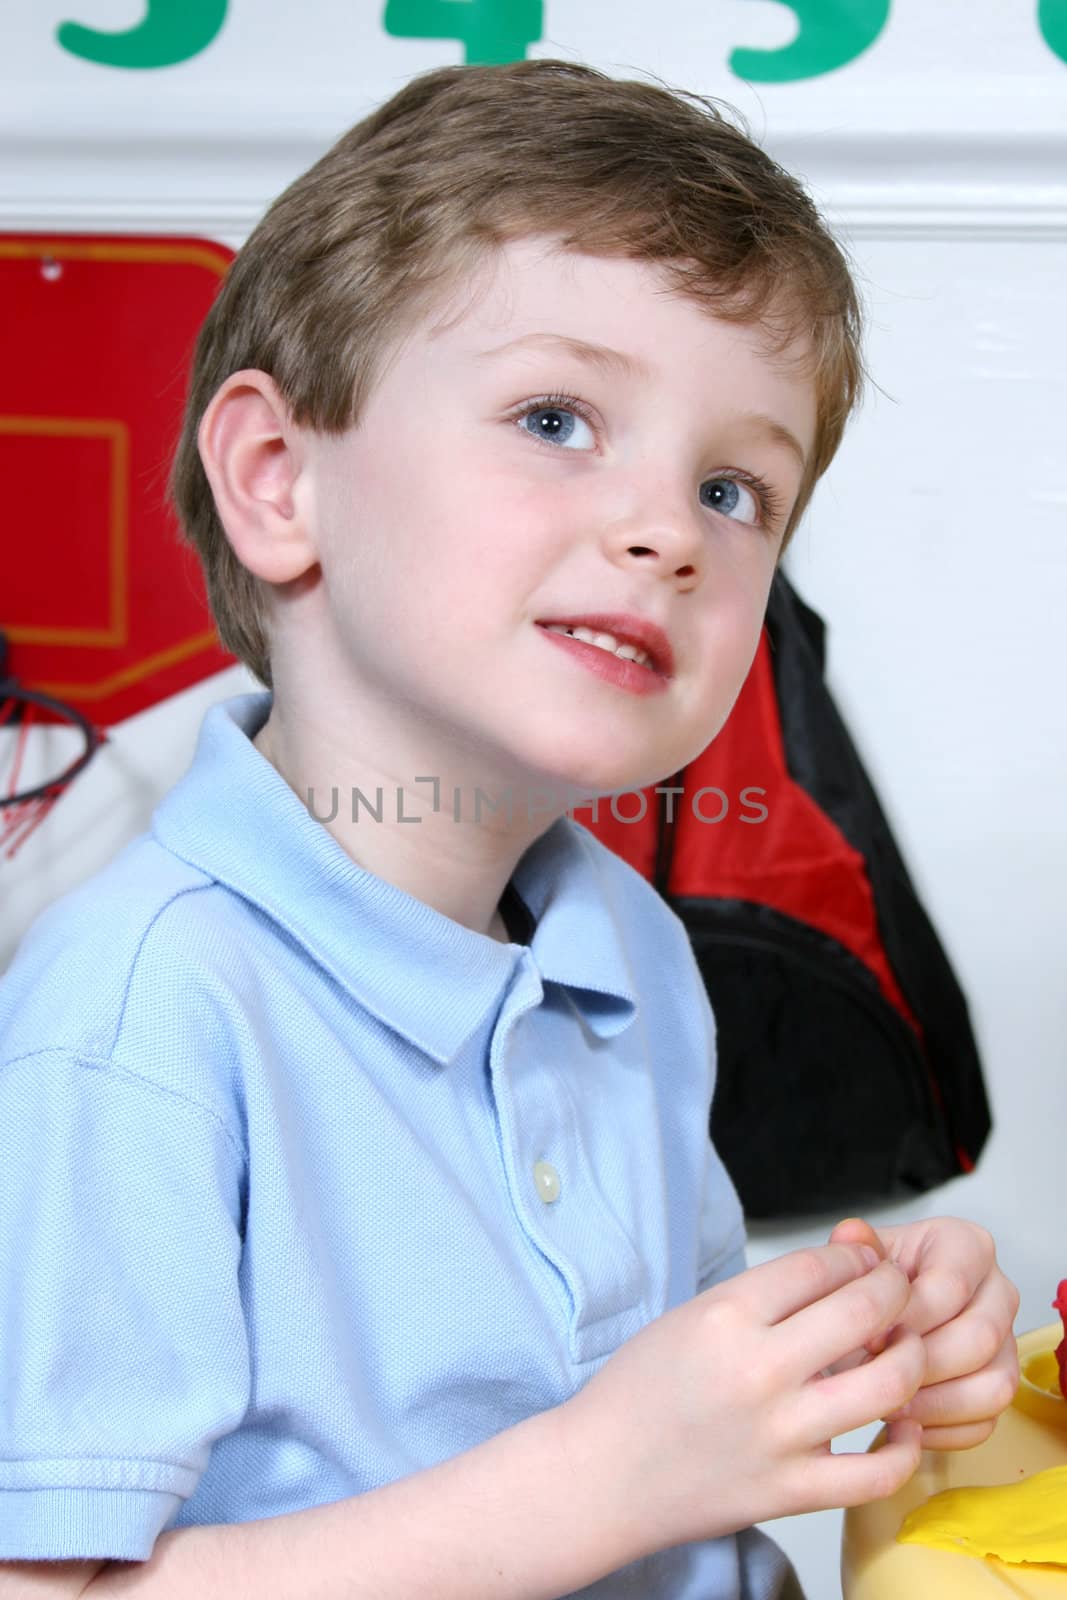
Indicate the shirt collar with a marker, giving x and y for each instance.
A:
(423, 974)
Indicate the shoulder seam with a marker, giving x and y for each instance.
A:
(108, 1064)
(195, 888)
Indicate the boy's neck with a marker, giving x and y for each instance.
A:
(464, 886)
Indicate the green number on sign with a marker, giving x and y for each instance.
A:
(1052, 20)
(832, 33)
(170, 31)
(492, 31)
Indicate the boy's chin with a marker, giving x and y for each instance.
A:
(597, 765)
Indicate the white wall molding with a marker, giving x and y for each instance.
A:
(893, 185)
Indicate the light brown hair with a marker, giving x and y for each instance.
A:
(407, 205)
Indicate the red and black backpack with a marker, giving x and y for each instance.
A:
(847, 1065)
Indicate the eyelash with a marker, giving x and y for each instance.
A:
(770, 501)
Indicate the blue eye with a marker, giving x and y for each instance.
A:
(725, 494)
(555, 418)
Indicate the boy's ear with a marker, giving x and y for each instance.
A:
(251, 452)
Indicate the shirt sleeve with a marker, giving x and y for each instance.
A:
(722, 1227)
(123, 1348)
(721, 1252)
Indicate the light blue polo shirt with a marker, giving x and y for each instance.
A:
(305, 1187)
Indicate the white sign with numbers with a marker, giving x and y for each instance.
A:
(191, 114)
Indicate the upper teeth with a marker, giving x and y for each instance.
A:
(604, 641)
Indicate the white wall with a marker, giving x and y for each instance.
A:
(936, 550)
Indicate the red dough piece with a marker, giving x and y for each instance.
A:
(1060, 1305)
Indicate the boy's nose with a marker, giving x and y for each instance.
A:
(673, 550)
(662, 556)
(661, 533)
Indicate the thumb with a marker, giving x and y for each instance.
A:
(853, 1230)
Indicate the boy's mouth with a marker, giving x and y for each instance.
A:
(633, 638)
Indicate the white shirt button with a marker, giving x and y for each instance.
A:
(547, 1180)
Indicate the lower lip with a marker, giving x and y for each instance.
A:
(612, 668)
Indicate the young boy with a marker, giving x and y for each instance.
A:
(362, 1235)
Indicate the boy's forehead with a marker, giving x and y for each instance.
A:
(527, 285)
(530, 299)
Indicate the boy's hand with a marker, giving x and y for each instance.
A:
(963, 1307)
(720, 1414)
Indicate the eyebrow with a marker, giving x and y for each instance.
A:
(594, 355)
(774, 431)
(617, 363)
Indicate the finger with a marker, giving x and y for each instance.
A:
(852, 1478)
(854, 1230)
(979, 1335)
(964, 1437)
(829, 1330)
(939, 1294)
(948, 1266)
(779, 1288)
(827, 1407)
(977, 1398)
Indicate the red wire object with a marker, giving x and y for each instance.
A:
(22, 812)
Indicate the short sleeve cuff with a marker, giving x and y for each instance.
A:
(73, 1524)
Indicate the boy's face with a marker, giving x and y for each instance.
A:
(451, 529)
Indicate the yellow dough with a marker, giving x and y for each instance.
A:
(1007, 1495)
(1021, 1523)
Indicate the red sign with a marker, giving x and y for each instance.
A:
(102, 604)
